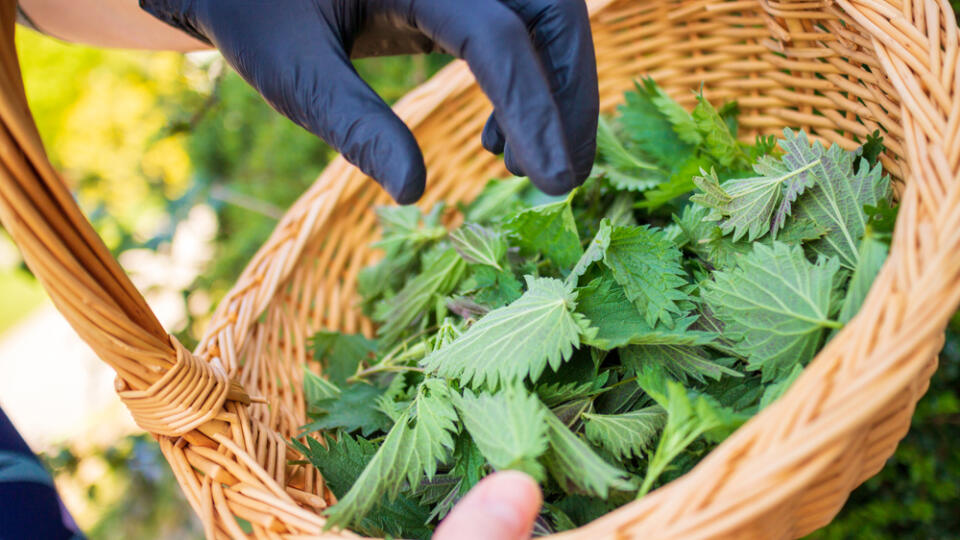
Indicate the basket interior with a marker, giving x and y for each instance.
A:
(814, 72)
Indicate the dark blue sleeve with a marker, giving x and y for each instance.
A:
(29, 504)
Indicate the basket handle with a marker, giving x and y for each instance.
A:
(157, 377)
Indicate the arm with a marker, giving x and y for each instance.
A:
(107, 23)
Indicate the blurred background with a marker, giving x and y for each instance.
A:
(175, 160)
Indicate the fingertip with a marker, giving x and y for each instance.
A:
(492, 138)
(407, 182)
(503, 506)
(511, 162)
(557, 183)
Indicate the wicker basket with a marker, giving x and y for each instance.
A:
(839, 68)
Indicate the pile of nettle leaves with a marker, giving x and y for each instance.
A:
(603, 342)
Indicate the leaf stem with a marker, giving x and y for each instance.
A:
(381, 368)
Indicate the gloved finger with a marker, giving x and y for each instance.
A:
(510, 161)
(562, 37)
(497, 47)
(307, 77)
(492, 138)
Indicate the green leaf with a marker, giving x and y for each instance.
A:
(689, 416)
(680, 361)
(871, 150)
(613, 152)
(576, 467)
(872, 255)
(340, 463)
(402, 229)
(316, 389)
(760, 204)
(636, 180)
(340, 354)
(776, 303)
(498, 198)
(683, 124)
(508, 427)
(548, 229)
(627, 434)
(438, 278)
(618, 322)
(355, 409)
(649, 129)
(836, 204)
(422, 438)
(881, 219)
(679, 184)
(469, 464)
(718, 141)
(647, 265)
(479, 245)
(778, 388)
(554, 393)
(515, 341)
(492, 288)
(594, 252)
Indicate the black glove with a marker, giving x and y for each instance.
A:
(533, 58)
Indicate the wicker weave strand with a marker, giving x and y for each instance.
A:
(189, 395)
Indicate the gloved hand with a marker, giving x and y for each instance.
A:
(533, 58)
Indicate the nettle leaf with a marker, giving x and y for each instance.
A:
(620, 211)
(492, 288)
(555, 393)
(508, 427)
(438, 278)
(353, 409)
(341, 461)
(548, 229)
(613, 152)
(516, 341)
(618, 323)
(680, 361)
(623, 169)
(316, 389)
(594, 252)
(647, 265)
(340, 354)
(776, 303)
(799, 155)
(836, 203)
(745, 206)
(872, 255)
(690, 415)
(637, 180)
(680, 182)
(683, 124)
(479, 245)
(718, 140)
(576, 467)
(757, 205)
(627, 434)
(498, 198)
(401, 227)
(649, 129)
(410, 452)
(777, 389)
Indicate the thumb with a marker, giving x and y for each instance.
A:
(503, 506)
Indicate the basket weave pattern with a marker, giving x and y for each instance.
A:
(838, 68)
